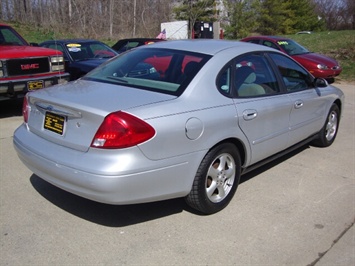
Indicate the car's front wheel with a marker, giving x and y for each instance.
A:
(216, 180)
(330, 129)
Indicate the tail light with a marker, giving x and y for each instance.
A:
(25, 109)
(122, 130)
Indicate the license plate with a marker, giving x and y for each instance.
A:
(54, 123)
(35, 85)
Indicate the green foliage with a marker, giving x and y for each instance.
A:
(305, 17)
(241, 18)
(339, 45)
(196, 10)
(276, 17)
(33, 34)
(201, 10)
(270, 17)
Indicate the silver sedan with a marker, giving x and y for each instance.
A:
(175, 119)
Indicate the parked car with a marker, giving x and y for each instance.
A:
(319, 65)
(206, 112)
(24, 67)
(304, 32)
(127, 44)
(81, 55)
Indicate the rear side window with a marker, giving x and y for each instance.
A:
(293, 75)
(162, 70)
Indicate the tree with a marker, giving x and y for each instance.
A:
(241, 18)
(276, 17)
(305, 17)
(337, 14)
(195, 10)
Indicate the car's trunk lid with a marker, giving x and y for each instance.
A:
(70, 114)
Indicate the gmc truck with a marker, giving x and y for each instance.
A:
(24, 67)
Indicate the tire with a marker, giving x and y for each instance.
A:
(216, 180)
(329, 131)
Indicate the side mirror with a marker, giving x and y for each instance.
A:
(320, 83)
(34, 44)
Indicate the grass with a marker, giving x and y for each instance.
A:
(339, 45)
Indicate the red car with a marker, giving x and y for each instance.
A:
(24, 67)
(319, 65)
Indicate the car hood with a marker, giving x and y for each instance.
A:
(316, 58)
(98, 97)
(16, 51)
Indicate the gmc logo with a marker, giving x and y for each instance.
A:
(29, 66)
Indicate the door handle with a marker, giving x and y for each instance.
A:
(298, 104)
(249, 114)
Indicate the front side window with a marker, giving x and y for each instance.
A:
(254, 77)
(162, 70)
(248, 76)
(293, 75)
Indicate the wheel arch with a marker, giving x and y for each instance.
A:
(339, 104)
(239, 145)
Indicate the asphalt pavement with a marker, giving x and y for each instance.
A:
(298, 210)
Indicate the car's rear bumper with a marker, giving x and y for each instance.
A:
(154, 180)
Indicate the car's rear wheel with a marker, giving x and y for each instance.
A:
(216, 180)
(329, 131)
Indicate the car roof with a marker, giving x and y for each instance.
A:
(206, 46)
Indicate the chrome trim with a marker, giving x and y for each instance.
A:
(50, 108)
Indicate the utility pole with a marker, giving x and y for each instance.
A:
(134, 17)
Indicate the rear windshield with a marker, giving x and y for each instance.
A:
(161, 70)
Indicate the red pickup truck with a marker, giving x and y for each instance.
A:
(24, 67)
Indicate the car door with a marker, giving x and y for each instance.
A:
(263, 110)
(308, 107)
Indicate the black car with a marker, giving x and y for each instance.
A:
(127, 44)
(81, 55)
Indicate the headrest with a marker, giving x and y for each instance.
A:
(245, 74)
(251, 78)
